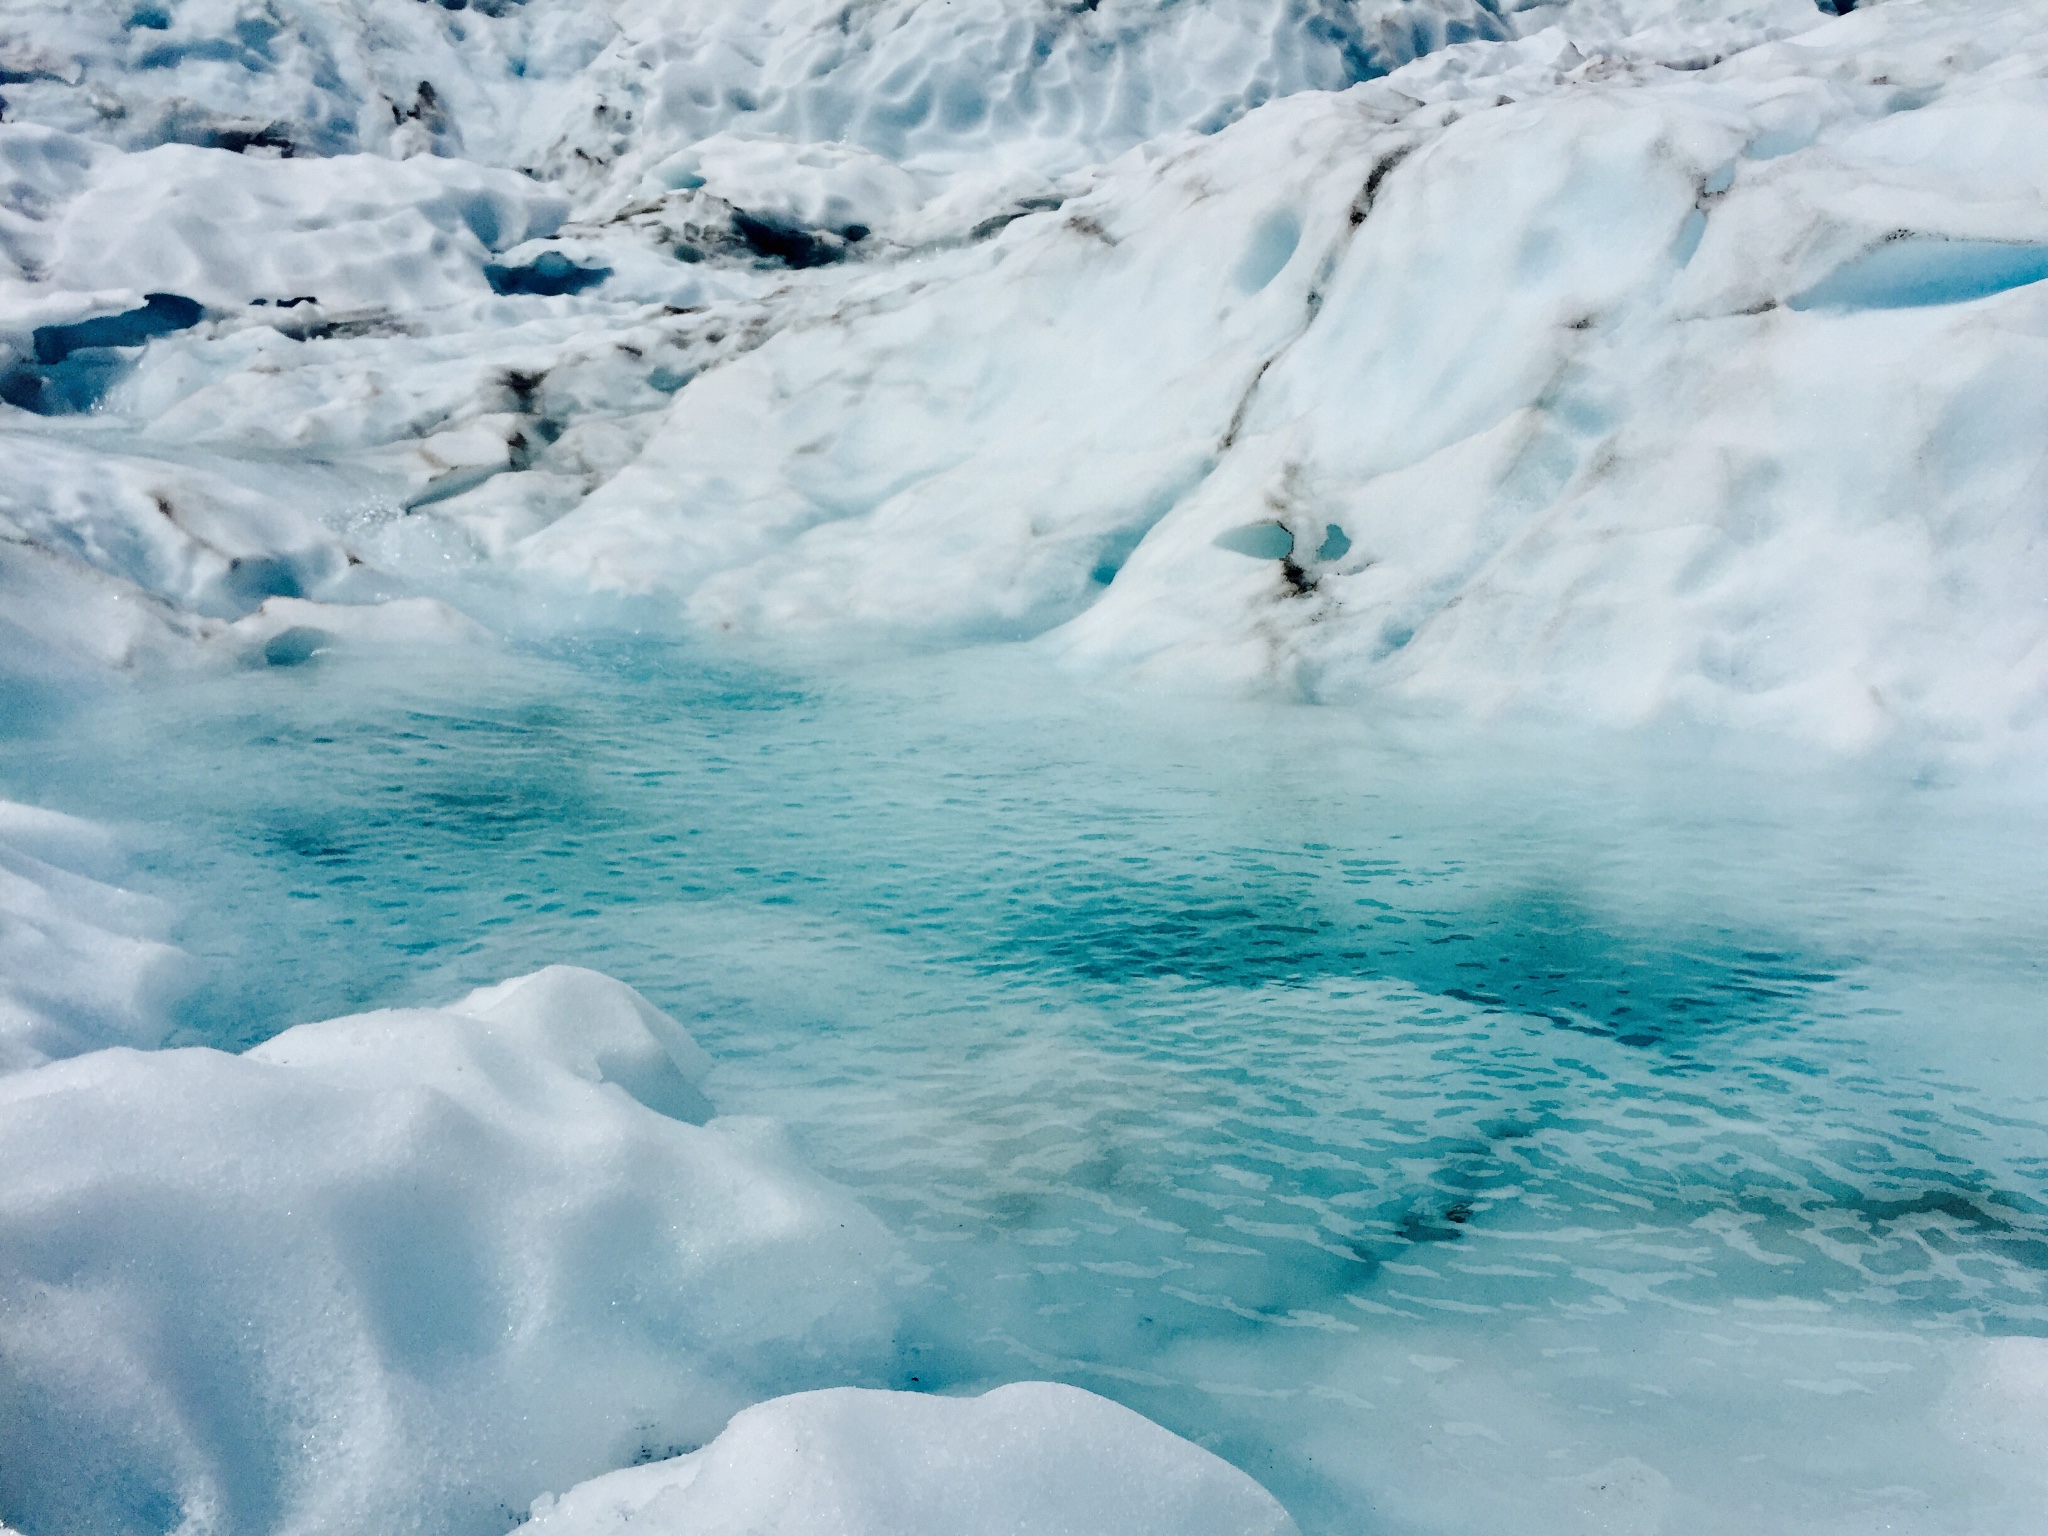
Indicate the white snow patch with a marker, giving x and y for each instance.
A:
(1031, 1459)
(402, 1270)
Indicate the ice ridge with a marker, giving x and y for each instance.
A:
(1543, 334)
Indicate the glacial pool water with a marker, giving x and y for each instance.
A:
(1460, 1130)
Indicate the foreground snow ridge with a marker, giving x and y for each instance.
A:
(407, 1270)
(1033, 1459)
(400, 1271)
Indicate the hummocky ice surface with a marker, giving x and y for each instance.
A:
(1628, 361)
(1614, 359)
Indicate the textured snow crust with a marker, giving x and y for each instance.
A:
(584, 89)
(84, 963)
(1623, 360)
(402, 1271)
(1031, 1459)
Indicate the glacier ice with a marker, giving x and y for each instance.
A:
(1034, 1458)
(1619, 362)
(1572, 321)
(84, 963)
(405, 1270)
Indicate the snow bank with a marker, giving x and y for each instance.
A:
(1616, 359)
(93, 234)
(1551, 376)
(1605, 421)
(400, 1271)
(117, 558)
(197, 540)
(350, 232)
(83, 962)
(1034, 1459)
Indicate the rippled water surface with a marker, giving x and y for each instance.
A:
(1458, 1131)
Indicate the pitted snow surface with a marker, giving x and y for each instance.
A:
(400, 1271)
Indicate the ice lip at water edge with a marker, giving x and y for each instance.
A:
(1034, 1459)
(83, 962)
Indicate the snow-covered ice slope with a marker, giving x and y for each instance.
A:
(403, 1271)
(1619, 358)
(1031, 1459)
(1591, 381)
(1726, 393)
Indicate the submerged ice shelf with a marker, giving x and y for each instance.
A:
(497, 484)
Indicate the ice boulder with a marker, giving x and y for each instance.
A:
(1033, 1459)
(402, 1271)
(285, 631)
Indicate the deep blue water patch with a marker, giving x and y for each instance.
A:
(159, 315)
(1913, 272)
(549, 275)
(1186, 1050)
(74, 365)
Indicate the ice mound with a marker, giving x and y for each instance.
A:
(198, 541)
(401, 1271)
(1033, 1459)
(1621, 360)
(1594, 380)
(292, 80)
(137, 560)
(95, 232)
(83, 962)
